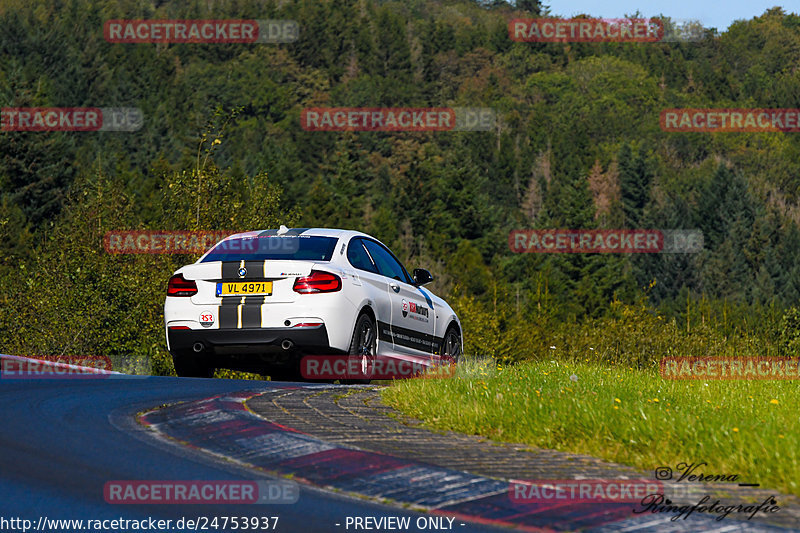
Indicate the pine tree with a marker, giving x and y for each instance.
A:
(635, 179)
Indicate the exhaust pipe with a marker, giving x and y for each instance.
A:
(287, 344)
(198, 347)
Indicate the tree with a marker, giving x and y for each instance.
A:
(635, 179)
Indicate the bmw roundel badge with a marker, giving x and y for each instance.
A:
(242, 272)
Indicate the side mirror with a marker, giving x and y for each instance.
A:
(422, 276)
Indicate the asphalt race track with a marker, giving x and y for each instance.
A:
(67, 439)
(63, 439)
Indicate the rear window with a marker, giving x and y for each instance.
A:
(273, 247)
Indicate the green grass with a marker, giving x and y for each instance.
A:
(621, 414)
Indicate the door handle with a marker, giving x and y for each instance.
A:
(395, 287)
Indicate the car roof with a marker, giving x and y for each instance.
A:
(312, 232)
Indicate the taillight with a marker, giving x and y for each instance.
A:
(180, 286)
(308, 325)
(318, 282)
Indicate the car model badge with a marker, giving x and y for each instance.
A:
(242, 272)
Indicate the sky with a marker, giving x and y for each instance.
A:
(713, 14)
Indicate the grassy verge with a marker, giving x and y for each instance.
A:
(621, 414)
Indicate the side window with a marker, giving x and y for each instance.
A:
(387, 264)
(358, 256)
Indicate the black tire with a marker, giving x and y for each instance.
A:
(450, 349)
(192, 366)
(363, 349)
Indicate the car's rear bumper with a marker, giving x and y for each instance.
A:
(257, 340)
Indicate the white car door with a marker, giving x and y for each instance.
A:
(377, 287)
(412, 317)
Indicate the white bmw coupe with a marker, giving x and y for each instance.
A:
(259, 301)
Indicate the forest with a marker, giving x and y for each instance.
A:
(577, 143)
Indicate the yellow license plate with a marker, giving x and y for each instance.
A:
(244, 288)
